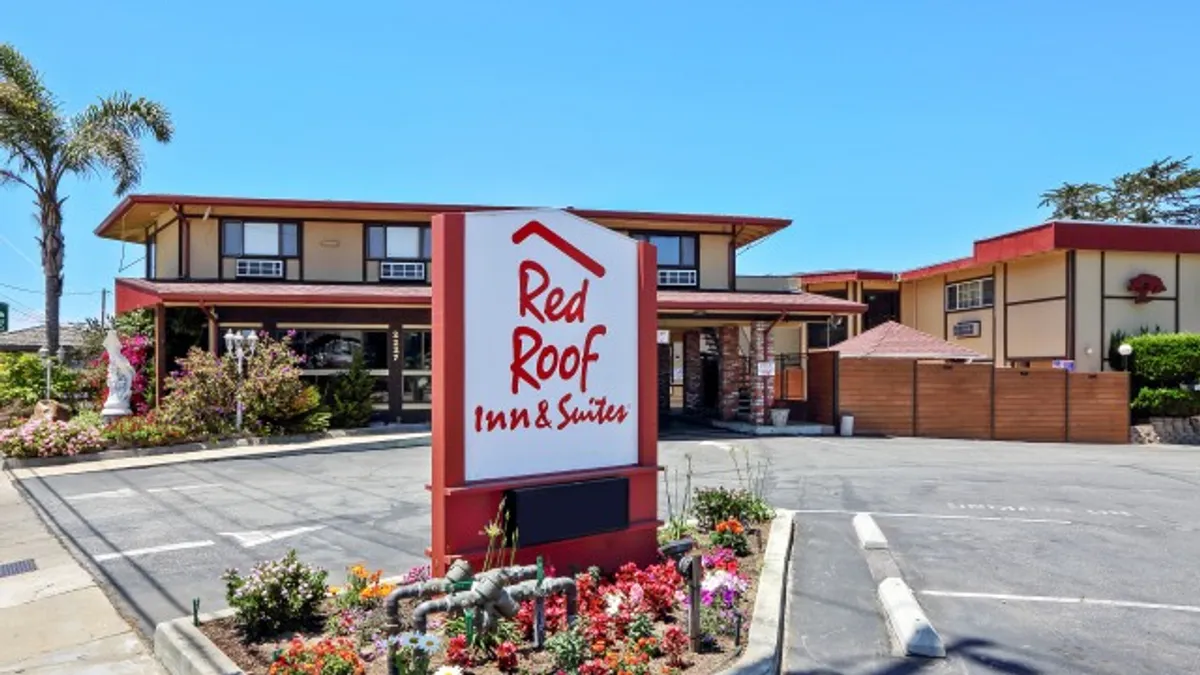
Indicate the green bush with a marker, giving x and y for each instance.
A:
(569, 648)
(713, 505)
(277, 595)
(202, 395)
(1166, 402)
(23, 380)
(141, 431)
(349, 395)
(40, 437)
(1165, 359)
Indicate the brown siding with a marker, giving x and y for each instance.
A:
(821, 386)
(1099, 405)
(1031, 405)
(878, 393)
(954, 401)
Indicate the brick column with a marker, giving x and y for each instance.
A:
(693, 384)
(664, 378)
(732, 376)
(762, 393)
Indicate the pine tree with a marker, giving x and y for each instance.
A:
(350, 395)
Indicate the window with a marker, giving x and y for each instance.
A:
(274, 240)
(674, 250)
(971, 294)
(417, 376)
(151, 259)
(399, 242)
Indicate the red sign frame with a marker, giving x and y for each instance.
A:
(461, 508)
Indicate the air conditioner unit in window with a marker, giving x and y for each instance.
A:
(402, 271)
(968, 329)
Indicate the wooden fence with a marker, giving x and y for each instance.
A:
(897, 397)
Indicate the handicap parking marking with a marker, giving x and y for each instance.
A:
(1009, 508)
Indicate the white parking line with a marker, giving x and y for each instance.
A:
(937, 516)
(108, 494)
(184, 488)
(133, 553)
(1129, 604)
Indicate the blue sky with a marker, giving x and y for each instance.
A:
(893, 133)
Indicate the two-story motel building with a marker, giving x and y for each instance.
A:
(344, 275)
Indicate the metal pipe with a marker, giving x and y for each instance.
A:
(557, 585)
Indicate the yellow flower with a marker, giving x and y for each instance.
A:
(335, 590)
(359, 571)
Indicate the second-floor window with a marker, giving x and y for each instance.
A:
(403, 251)
(259, 239)
(677, 258)
(971, 294)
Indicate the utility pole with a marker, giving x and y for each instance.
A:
(103, 305)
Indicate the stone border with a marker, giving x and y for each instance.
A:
(37, 462)
(184, 650)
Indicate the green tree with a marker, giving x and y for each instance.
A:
(349, 395)
(44, 145)
(1166, 191)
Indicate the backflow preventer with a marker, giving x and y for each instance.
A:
(483, 599)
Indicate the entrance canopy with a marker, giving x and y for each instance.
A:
(135, 293)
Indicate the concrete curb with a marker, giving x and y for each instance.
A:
(907, 621)
(870, 537)
(764, 644)
(184, 650)
(38, 462)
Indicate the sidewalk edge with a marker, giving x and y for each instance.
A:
(183, 650)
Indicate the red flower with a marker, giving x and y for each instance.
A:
(457, 653)
(506, 657)
(674, 644)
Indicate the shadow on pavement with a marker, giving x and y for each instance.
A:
(970, 650)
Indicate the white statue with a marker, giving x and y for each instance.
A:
(120, 379)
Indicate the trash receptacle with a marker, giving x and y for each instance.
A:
(847, 425)
(779, 416)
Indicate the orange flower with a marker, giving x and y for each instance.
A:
(722, 526)
(598, 647)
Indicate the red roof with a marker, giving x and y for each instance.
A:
(893, 340)
(1068, 235)
(135, 293)
(843, 276)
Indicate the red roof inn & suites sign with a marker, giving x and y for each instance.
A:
(545, 363)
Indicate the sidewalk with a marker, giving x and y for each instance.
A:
(55, 619)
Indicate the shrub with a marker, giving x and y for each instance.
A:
(1166, 402)
(713, 505)
(569, 649)
(349, 395)
(1165, 359)
(276, 596)
(330, 656)
(40, 437)
(731, 535)
(203, 393)
(23, 380)
(141, 432)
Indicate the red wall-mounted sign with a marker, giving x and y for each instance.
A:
(1145, 285)
(545, 373)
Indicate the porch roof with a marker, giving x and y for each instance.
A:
(897, 341)
(135, 293)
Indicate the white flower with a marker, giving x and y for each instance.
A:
(411, 639)
(430, 643)
(448, 670)
(613, 604)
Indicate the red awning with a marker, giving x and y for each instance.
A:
(135, 293)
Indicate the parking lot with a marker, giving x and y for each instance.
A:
(1028, 558)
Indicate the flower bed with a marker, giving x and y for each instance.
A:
(632, 622)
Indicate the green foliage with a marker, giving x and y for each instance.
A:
(279, 595)
(483, 642)
(349, 395)
(23, 380)
(1165, 359)
(731, 534)
(1120, 337)
(713, 505)
(570, 648)
(40, 437)
(202, 395)
(679, 503)
(641, 626)
(1166, 191)
(141, 431)
(127, 324)
(1166, 402)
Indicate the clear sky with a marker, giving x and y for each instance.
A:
(892, 133)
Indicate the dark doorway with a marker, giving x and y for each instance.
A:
(710, 370)
(882, 306)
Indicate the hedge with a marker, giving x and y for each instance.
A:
(1166, 402)
(1166, 359)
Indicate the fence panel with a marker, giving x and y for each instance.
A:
(1098, 405)
(878, 393)
(954, 401)
(822, 386)
(1030, 405)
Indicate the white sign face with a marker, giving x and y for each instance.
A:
(551, 363)
(766, 368)
(664, 337)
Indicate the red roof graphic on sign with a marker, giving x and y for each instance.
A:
(534, 227)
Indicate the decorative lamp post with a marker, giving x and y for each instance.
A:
(242, 347)
(1125, 350)
(44, 355)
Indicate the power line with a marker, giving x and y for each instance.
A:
(37, 292)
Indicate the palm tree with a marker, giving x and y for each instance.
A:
(44, 145)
